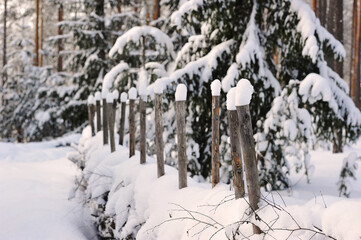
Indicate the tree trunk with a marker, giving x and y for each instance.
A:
(4, 75)
(314, 6)
(215, 140)
(182, 146)
(142, 121)
(321, 11)
(60, 41)
(339, 33)
(119, 6)
(159, 133)
(237, 168)
(355, 61)
(36, 52)
(105, 122)
(330, 26)
(41, 40)
(131, 127)
(122, 123)
(249, 157)
(156, 9)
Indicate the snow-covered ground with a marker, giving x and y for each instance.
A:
(35, 180)
(147, 207)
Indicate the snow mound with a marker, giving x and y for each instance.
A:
(181, 92)
(244, 92)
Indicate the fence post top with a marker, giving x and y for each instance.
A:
(231, 99)
(97, 96)
(132, 93)
(158, 86)
(115, 94)
(244, 92)
(91, 100)
(110, 98)
(123, 97)
(216, 88)
(181, 92)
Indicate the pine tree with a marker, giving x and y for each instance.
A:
(237, 39)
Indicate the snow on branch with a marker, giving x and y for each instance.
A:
(309, 25)
(203, 66)
(112, 74)
(135, 35)
(251, 51)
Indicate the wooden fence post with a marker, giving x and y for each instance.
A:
(233, 123)
(158, 113)
(216, 92)
(98, 109)
(180, 97)
(123, 99)
(105, 118)
(115, 103)
(244, 92)
(142, 91)
(132, 97)
(110, 110)
(91, 106)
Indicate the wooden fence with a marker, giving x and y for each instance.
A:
(240, 132)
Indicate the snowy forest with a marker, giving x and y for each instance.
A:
(181, 119)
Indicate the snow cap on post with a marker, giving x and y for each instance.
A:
(91, 100)
(98, 96)
(142, 83)
(123, 97)
(110, 98)
(116, 94)
(231, 99)
(181, 92)
(244, 92)
(158, 87)
(132, 93)
(105, 93)
(216, 88)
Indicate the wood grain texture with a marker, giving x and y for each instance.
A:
(105, 123)
(237, 167)
(249, 157)
(99, 121)
(111, 126)
(181, 136)
(122, 122)
(142, 121)
(158, 112)
(215, 140)
(131, 127)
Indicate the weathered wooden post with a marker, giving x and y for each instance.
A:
(158, 112)
(110, 110)
(115, 103)
(105, 117)
(91, 106)
(244, 92)
(132, 97)
(123, 99)
(180, 97)
(216, 92)
(142, 91)
(98, 109)
(233, 123)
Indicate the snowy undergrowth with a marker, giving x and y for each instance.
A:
(128, 201)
